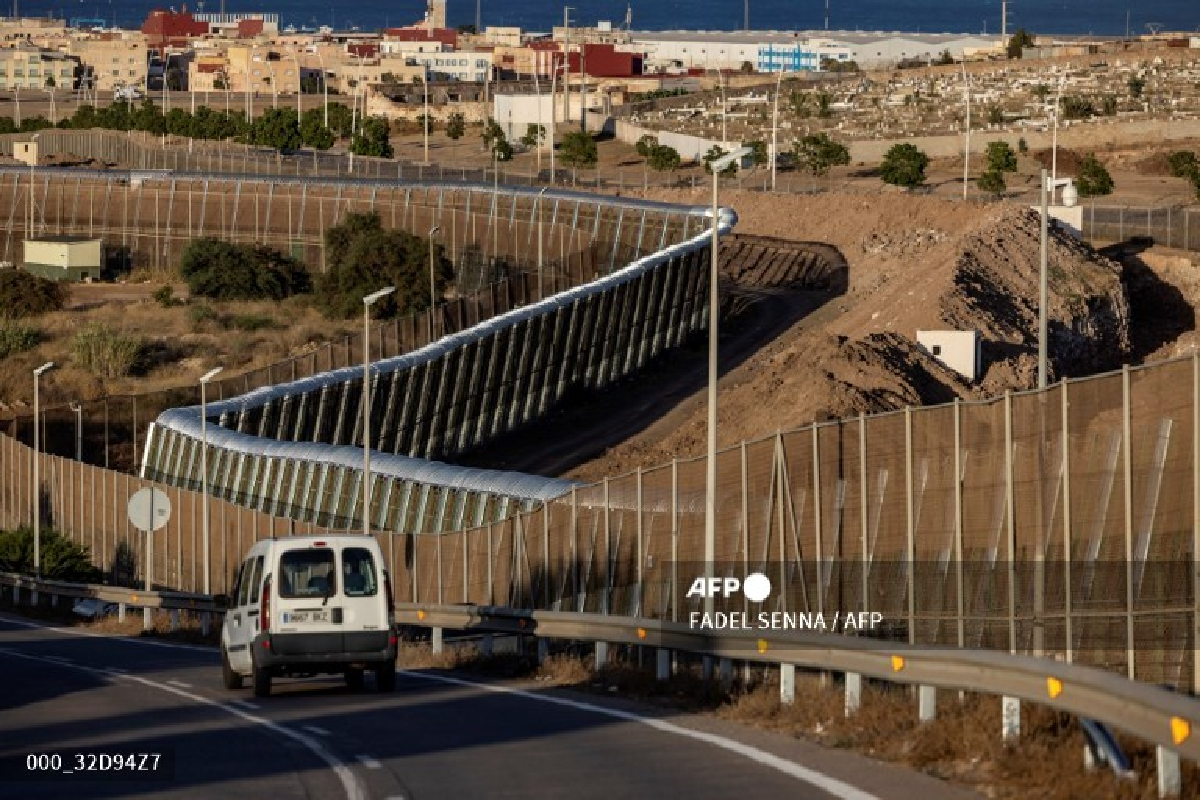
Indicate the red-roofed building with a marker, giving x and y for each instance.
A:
(172, 29)
(605, 61)
(363, 49)
(419, 33)
(249, 28)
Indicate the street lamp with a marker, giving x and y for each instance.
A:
(710, 494)
(775, 126)
(37, 480)
(204, 379)
(432, 283)
(368, 301)
(425, 123)
(541, 196)
(32, 166)
(78, 409)
(967, 145)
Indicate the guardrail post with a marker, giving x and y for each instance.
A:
(120, 612)
(438, 642)
(33, 596)
(543, 650)
(205, 622)
(662, 668)
(16, 595)
(1010, 718)
(926, 703)
(174, 619)
(601, 655)
(54, 600)
(853, 693)
(1170, 783)
(706, 668)
(787, 684)
(485, 646)
(147, 619)
(726, 672)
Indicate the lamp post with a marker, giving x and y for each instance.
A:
(368, 301)
(32, 166)
(432, 281)
(541, 197)
(324, 84)
(775, 127)
(204, 379)
(425, 122)
(714, 307)
(37, 478)
(1054, 135)
(78, 409)
(967, 146)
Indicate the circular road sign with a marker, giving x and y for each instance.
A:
(149, 509)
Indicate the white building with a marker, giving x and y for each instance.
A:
(455, 66)
(958, 350)
(798, 50)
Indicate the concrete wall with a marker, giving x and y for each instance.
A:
(958, 350)
(690, 148)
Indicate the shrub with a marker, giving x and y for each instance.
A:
(225, 271)
(1001, 158)
(201, 313)
(904, 165)
(26, 295)
(106, 352)
(251, 322)
(992, 182)
(60, 558)
(1183, 164)
(165, 296)
(16, 337)
(1093, 180)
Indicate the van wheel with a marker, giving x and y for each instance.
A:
(262, 682)
(231, 679)
(354, 678)
(385, 677)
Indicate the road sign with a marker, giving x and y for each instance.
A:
(149, 509)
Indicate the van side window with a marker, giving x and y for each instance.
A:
(245, 583)
(254, 578)
(307, 573)
(358, 572)
(239, 584)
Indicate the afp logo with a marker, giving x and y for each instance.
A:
(756, 587)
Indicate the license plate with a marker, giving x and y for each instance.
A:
(306, 616)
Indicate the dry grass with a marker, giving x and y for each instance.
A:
(178, 348)
(189, 630)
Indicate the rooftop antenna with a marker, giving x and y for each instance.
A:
(746, 14)
(478, 22)
(1154, 27)
(826, 14)
(628, 15)
(1004, 21)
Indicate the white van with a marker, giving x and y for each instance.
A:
(308, 605)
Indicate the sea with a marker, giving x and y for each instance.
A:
(1065, 17)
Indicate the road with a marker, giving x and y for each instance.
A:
(436, 736)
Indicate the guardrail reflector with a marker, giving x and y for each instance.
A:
(762, 645)
(897, 663)
(641, 633)
(1181, 729)
(420, 613)
(133, 598)
(1054, 687)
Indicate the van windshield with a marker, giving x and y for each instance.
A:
(307, 573)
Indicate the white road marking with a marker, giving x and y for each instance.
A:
(59, 659)
(354, 790)
(130, 639)
(316, 730)
(833, 786)
(245, 704)
(120, 670)
(369, 762)
(180, 684)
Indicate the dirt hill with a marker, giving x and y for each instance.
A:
(915, 263)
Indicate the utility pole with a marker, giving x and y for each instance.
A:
(566, 63)
(1003, 21)
(583, 87)
(967, 147)
(478, 20)
(746, 14)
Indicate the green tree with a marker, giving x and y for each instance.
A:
(1041, 92)
(313, 131)
(50, 83)
(1001, 158)
(578, 149)
(992, 182)
(824, 105)
(1077, 108)
(456, 125)
(373, 139)
(799, 104)
(759, 154)
(1019, 41)
(1108, 105)
(945, 59)
(1195, 178)
(1183, 164)
(277, 128)
(224, 271)
(1093, 179)
(534, 135)
(645, 145)
(995, 115)
(664, 158)
(1136, 86)
(341, 120)
(904, 165)
(715, 152)
(362, 256)
(491, 133)
(817, 153)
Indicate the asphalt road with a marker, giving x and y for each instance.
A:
(436, 736)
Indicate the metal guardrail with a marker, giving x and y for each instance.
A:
(168, 600)
(1156, 715)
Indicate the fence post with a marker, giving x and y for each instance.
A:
(864, 506)
(853, 693)
(910, 545)
(926, 703)
(1127, 490)
(958, 524)
(1010, 706)
(1066, 490)
(787, 684)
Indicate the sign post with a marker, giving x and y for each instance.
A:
(149, 510)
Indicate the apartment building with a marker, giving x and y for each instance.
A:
(30, 68)
(113, 60)
(263, 69)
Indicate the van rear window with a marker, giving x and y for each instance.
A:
(358, 569)
(307, 573)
